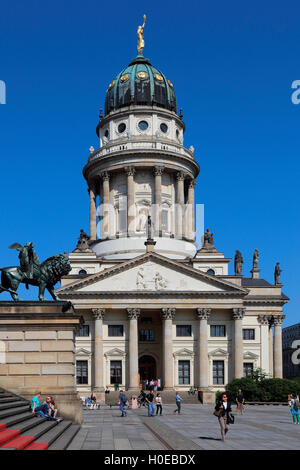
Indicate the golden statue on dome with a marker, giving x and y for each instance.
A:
(140, 38)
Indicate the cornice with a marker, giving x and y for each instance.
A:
(160, 259)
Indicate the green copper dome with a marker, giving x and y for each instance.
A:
(140, 84)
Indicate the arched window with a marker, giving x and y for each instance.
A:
(211, 272)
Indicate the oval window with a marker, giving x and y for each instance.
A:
(121, 127)
(164, 127)
(143, 125)
(106, 133)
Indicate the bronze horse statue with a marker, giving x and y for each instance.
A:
(31, 272)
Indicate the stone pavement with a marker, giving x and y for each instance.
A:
(260, 428)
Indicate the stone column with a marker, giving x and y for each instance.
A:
(271, 367)
(278, 319)
(168, 315)
(190, 212)
(133, 315)
(130, 171)
(180, 204)
(203, 315)
(93, 212)
(238, 314)
(98, 314)
(263, 320)
(105, 204)
(158, 171)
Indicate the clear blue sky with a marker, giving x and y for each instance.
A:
(232, 64)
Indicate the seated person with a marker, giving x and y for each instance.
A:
(88, 402)
(53, 410)
(35, 402)
(45, 410)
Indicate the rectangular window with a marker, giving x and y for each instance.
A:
(183, 372)
(248, 368)
(217, 330)
(115, 330)
(84, 331)
(183, 330)
(115, 372)
(249, 333)
(218, 372)
(81, 372)
(146, 335)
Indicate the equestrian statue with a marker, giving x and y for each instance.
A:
(31, 272)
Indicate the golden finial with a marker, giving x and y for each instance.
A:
(140, 37)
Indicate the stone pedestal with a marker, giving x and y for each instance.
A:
(207, 396)
(38, 340)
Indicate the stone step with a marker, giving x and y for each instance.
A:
(23, 440)
(13, 404)
(66, 438)
(9, 399)
(13, 411)
(10, 421)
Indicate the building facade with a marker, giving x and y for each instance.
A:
(290, 351)
(154, 305)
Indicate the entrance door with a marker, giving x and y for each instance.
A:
(147, 368)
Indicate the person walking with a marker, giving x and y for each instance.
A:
(158, 401)
(150, 403)
(222, 411)
(122, 402)
(155, 385)
(295, 404)
(240, 403)
(178, 400)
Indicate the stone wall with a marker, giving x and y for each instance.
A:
(37, 352)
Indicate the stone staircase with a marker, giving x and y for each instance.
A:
(168, 397)
(21, 430)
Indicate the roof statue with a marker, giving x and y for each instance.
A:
(140, 37)
(255, 258)
(238, 263)
(277, 273)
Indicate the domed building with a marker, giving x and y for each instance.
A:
(154, 306)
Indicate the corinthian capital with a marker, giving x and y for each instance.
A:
(263, 319)
(180, 175)
(98, 313)
(105, 175)
(278, 319)
(238, 313)
(133, 313)
(192, 184)
(203, 313)
(158, 170)
(168, 313)
(130, 170)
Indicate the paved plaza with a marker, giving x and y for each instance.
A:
(260, 428)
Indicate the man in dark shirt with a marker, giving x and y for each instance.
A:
(240, 402)
(122, 401)
(150, 402)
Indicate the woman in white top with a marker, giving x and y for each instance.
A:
(158, 401)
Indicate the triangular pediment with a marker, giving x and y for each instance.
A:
(83, 352)
(250, 355)
(151, 273)
(115, 352)
(184, 352)
(218, 352)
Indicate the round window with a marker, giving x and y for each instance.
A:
(106, 133)
(82, 272)
(164, 127)
(211, 272)
(121, 127)
(143, 125)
